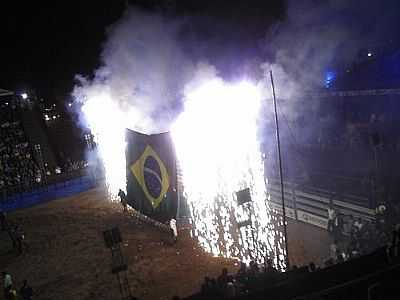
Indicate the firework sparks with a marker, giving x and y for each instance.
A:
(106, 121)
(217, 147)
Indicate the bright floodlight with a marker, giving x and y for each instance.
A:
(24, 96)
(369, 54)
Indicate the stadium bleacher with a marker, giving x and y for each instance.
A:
(17, 164)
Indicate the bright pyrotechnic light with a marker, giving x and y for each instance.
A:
(24, 96)
(218, 152)
(106, 121)
(217, 148)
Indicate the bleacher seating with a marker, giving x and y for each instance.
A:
(18, 168)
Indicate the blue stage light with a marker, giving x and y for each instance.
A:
(330, 77)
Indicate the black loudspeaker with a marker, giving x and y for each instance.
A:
(112, 237)
(108, 238)
(243, 196)
(375, 139)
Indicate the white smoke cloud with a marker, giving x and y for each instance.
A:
(148, 59)
(143, 71)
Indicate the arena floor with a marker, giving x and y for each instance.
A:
(66, 257)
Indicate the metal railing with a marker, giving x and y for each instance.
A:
(310, 204)
(53, 186)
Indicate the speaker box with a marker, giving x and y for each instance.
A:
(112, 237)
(243, 196)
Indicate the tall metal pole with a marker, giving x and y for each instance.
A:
(178, 192)
(280, 170)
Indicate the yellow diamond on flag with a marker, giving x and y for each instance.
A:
(152, 176)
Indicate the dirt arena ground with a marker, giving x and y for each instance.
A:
(66, 256)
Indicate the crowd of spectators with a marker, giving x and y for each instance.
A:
(354, 236)
(17, 165)
(254, 277)
(71, 165)
(228, 286)
(19, 170)
(331, 128)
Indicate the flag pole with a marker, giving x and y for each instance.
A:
(280, 170)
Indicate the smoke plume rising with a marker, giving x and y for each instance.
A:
(143, 71)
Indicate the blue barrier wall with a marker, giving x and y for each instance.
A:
(47, 193)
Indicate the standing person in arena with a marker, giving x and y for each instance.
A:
(3, 221)
(338, 231)
(124, 202)
(331, 216)
(173, 229)
(7, 284)
(19, 237)
(26, 291)
(12, 295)
(333, 250)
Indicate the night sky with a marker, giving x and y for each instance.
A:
(44, 46)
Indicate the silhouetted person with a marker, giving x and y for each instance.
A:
(7, 284)
(223, 279)
(311, 267)
(339, 258)
(380, 213)
(206, 286)
(338, 228)
(331, 216)
(253, 269)
(230, 291)
(333, 250)
(173, 230)
(3, 222)
(242, 278)
(214, 287)
(12, 295)
(358, 226)
(26, 291)
(270, 267)
(242, 272)
(124, 202)
(19, 236)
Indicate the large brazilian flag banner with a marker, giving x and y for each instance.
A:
(151, 174)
